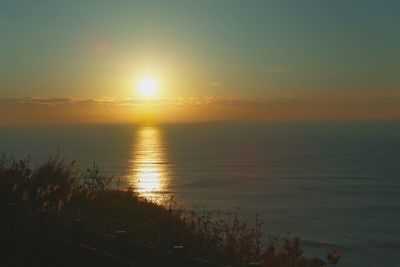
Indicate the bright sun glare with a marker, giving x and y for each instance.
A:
(148, 87)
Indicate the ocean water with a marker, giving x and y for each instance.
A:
(334, 185)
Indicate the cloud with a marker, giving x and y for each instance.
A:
(101, 101)
(22, 110)
(38, 101)
(283, 101)
(214, 84)
(206, 102)
(278, 70)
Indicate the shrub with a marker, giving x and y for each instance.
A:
(69, 193)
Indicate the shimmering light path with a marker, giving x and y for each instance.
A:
(149, 173)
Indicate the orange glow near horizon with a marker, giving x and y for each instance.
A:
(39, 111)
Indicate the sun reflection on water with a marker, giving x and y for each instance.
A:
(149, 172)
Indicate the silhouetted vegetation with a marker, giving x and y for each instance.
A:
(68, 193)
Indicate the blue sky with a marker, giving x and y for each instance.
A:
(246, 47)
(298, 49)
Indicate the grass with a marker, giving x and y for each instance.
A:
(68, 193)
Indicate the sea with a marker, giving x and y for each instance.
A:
(335, 185)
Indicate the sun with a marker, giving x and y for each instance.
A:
(148, 87)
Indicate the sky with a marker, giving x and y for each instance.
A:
(80, 61)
